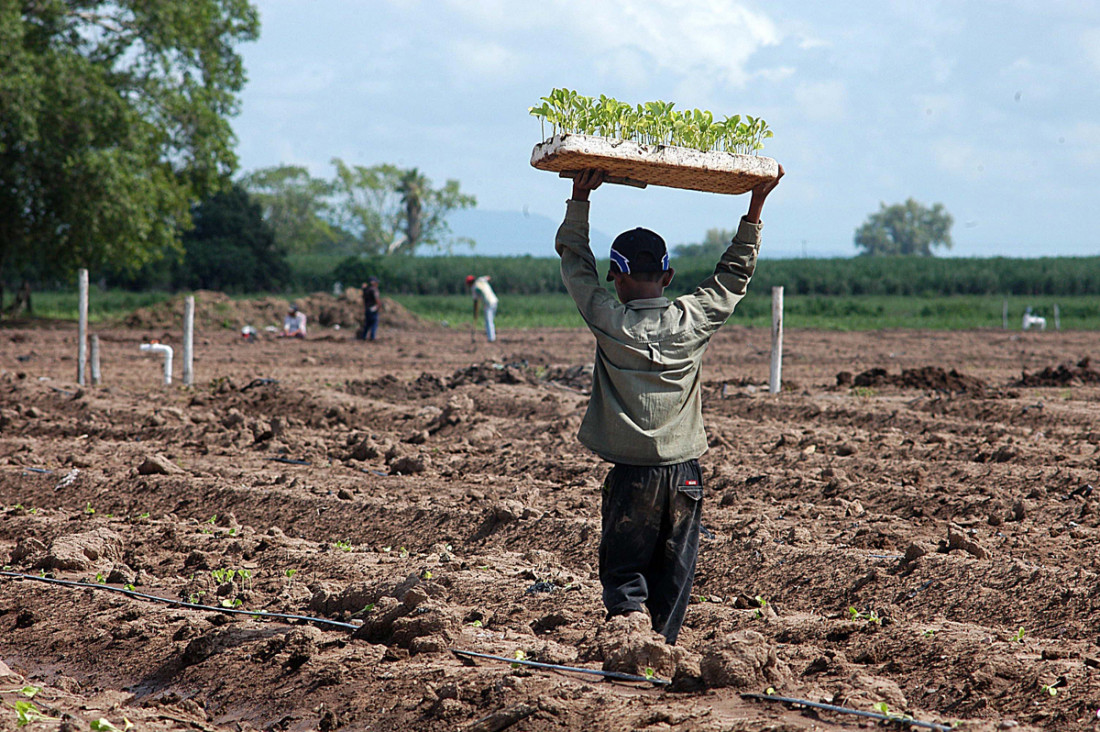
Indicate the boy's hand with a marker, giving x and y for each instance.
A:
(759, 194)
(587, 180)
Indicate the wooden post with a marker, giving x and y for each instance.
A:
(1004, 315)
(95, 360)
(1057, 318)
(188, 340)
(82, 328)
(774, 382)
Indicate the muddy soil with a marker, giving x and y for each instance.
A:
(926, 539)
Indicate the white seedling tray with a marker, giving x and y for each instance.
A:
(659, 165)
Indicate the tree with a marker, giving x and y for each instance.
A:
(231, 247)
(394, 211)
(297, 206)
(113, 120)
(905, 228)
(714, 244)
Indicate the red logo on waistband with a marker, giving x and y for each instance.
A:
(691, 482)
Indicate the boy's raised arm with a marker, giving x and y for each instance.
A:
(759, 194)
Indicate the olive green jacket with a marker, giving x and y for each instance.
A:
(645, 407)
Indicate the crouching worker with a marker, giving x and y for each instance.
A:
(294, 324)
(644, 415)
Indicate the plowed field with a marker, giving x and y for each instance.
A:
(912, 521)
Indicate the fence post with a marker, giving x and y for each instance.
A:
(188, 340)
(775, 379)
(95, 360)
(1004, 315)
(82, 327)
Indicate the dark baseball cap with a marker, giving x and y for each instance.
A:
(638, 250)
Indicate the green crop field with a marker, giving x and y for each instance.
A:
(800, 311)
(553, 310)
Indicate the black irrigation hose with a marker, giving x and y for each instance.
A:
(180, 603)
(556, 667)
(895, 719)
(289, 461)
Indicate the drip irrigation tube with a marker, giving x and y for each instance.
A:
(556, 667)
(895, 719)
(180, 603)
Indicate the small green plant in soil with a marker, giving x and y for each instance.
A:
(344, 546)
(649, 123)
(870, 616)
(1019, 636)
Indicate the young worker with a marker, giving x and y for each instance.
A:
(483, 294)
(644, 415)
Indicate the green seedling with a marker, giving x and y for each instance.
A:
(291, 572)
(88, 510)
(759, 611)
(103, 725)
(143, 515)
(344, 546)
(222, 576)
(100, 578)
(770, 691)
(387, 549)
(26, 712)
(870, 616)
(27, 691)
(402, 552)
(929, 633)
(212, 519)
(246, 576)
(884, 709)
(131, 588)
(476, 624)
(232, 603)
(519, 656)
(1019, 636)
(194, 597)
(426, 574)
(651, 123)
(483, 566)
(649, 673)
(1049, 689)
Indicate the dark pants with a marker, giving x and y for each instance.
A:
(370, 325)
(650, 540)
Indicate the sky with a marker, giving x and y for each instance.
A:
(990, 107)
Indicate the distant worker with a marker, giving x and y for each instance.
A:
(483, 294)
(294, 324)
(372, 306)
(1031, 319)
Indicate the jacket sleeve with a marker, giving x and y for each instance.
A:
(597, 306)
(714, 300)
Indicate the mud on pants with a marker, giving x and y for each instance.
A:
(650, 541)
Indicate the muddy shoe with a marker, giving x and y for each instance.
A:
(628, 644)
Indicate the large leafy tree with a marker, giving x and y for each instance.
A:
(113, 120)
(297, 206)
(905, 228)
(231, 247)
(394, 211)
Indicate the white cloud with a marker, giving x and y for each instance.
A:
(690, 37)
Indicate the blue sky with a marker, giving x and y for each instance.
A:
(989, 107)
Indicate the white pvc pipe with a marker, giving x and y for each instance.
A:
(167, 351)
(188, 340)
(82, 326)
(95, 360)
(775, 378)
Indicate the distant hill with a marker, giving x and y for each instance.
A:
(511, 233)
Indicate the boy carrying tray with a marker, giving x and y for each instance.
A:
(645, 413)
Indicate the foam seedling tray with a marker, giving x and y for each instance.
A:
(660, 165)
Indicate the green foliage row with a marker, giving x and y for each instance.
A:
(906, 276)
(556, 310)
(654, 123)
